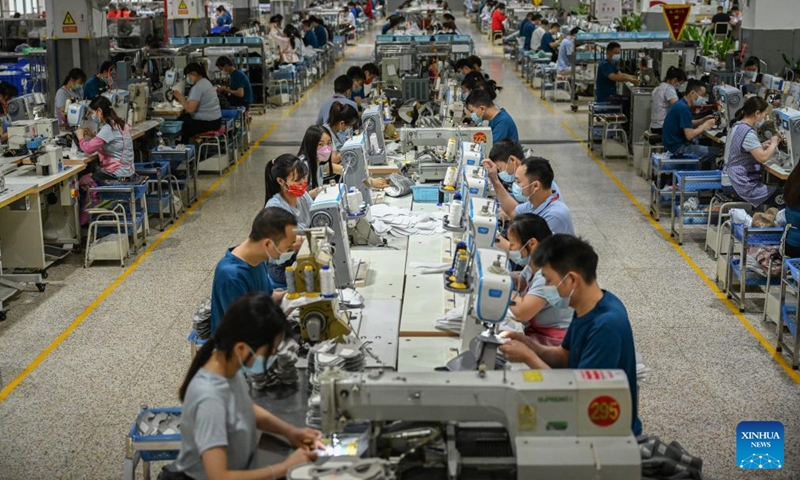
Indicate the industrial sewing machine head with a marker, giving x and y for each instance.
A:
(313, 276)
(482, 214)
(21, 108)
(328, 211)
(372, 121)
(354, 165)
(526, 425)
(139, 98)
(119, 102)
(477, 182)
(77, 113)
(787, 126)
(730, 100)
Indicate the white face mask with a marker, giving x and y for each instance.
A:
(283, 257)
(563, 302)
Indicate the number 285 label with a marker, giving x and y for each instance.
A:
(604, 411)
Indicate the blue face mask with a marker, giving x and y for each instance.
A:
(259, 367)
(516, 192)
(701, 101)
(189, 81)
(506, 177)
(345, 134)
(516, 257)
(460, 76)
(463, 96)
(550, 294)
(475, 118)
(617, 57)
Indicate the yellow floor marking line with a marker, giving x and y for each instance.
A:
(116, 283)
(710, 283)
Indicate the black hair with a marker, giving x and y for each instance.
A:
(505, 148)
(342, 112)
(294, 35)
(461, 63)
(501, 6)
(528, 226)
(109, 115)
(342, 84)
(195, 67)
(751, 106)
(286, 166)
(694, 85)
(254, 319)
(306, 23)
(220, 8)
(371, 68)
(153, 42)
(612, 46)
(539, 169)
(553, 24)
(449, 17)
(223, 62)
(355, 73)
(75, 74)
(474, 60)
(106, 66)
(575, 31)
(449, 26)
(271, 223)
(479, 98)
(544, 23)
(8, 91)
(537, 16)
(396, 20)
(308, 150)
(566, 253)
(476, 81)
(753, 62)
(675, 73)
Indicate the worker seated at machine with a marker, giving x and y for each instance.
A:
(600, 335)
(243, 269)
(476, 81)
(664, 96)
(239, 89)
(7, 93)
(681, 132)
(358, 77)
(316, 150)
(549, 42)
(220, 425)
(532, 192)
(342, 89)
(223, 17)
(751, 75)
(70, 91)
(203, 113)
(745, 155)
(545, 315)
(481, 108)
(101, 82)
(608, 74)
(113, 145)
(286, 182)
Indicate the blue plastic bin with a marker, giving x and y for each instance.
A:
(171, 127)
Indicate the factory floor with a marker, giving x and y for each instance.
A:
(78, 361)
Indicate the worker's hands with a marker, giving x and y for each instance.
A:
(379, 183)
(491, 169)
(80, 133)
(178, 95)
(502, 244)
(775, 140)
(301, 456)
(709, 124)
(222, 89)
(307, 438)
(519, 337)
(517, 352)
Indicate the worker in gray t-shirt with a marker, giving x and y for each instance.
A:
(203, 113)
(219, 422)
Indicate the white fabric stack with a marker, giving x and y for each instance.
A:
(401, 222)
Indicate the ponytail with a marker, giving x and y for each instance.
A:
(342, 112)
(201, 358)
(676, 74)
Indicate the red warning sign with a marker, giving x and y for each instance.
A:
(479, 137)
(68, 25)
(182, 8)
(676, 17)
(593, 375)
(604, 411)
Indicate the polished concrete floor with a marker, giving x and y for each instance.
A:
(122, 339)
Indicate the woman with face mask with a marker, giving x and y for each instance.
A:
(220, 424)
(112, 144)
(286, 179)
(71, 90)
(745, 154)
(546, 316)
(316, 151)
(203, 113)
(750, 71)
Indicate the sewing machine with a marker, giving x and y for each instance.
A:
(21, 108)
(413, 138)
(477, 182)
(119, 102)
(139, 95)
(526, 425)
(47, 127)
(471, 154)
(328, 210)
(354, 165)
(375, 147)
(20, 132)
(787, 124)
(313, 276)
(483, 220)
(730, 100)
(49, 160)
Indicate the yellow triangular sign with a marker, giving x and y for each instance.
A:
(182, 5)
(68, 20)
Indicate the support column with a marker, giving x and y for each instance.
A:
(244, 11)
(769, 29)
(73, 39)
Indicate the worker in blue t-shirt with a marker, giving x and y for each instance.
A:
(527, 28)
(309, 38)
(608, 74)
(600, 335)
(320, 32)
(243, 269)
(100, 83)
(480, 105)
(681, 132)
(223, 17)
(549, 43)
(239, 90)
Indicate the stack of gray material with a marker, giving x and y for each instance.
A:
(348, 356)
(202, 319)
(283, 372)
(161, 423)
(662, 461)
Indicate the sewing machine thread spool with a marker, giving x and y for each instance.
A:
(291, 286)
(354, 200)
(308, 273)
(450, 178)
(326, 282)
(450, 153)
(455, 212)
(461, 272)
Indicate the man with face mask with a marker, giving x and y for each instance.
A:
(532, 192)
(481, 107)
(681, 131)
(239, 89)
(608, 74)
(342, 89)
(504, 159)
(243, 269)
(101, 82)
(600, 334)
